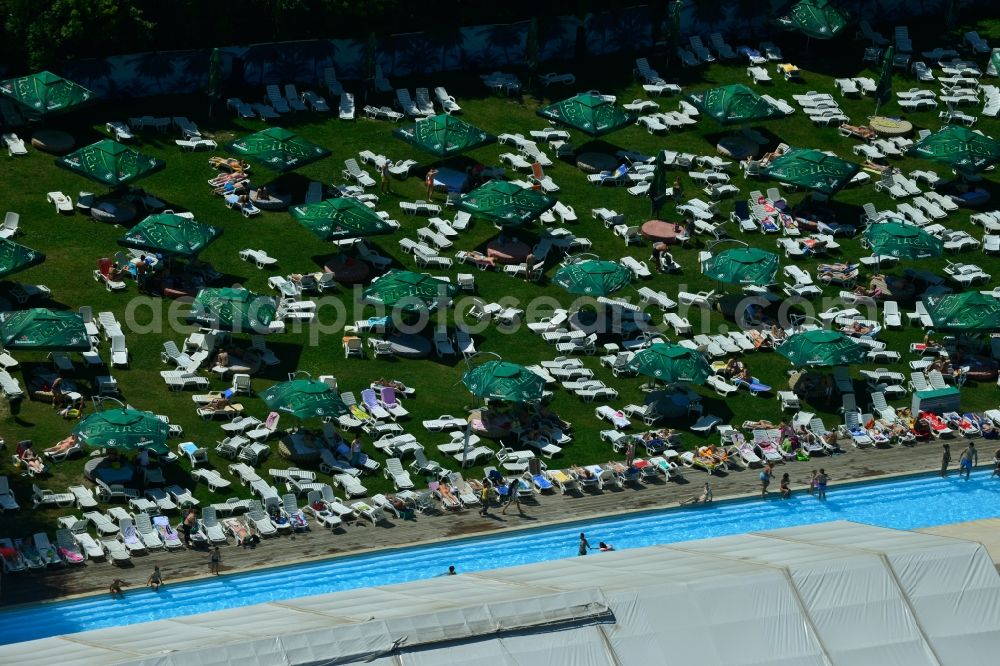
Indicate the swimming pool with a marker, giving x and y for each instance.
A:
(920, 501)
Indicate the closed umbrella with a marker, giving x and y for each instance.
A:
(123, 429)
(822, 347)
(904, 241)
(41, 329)
(883, 90)
(671, 363)
(305, 398)
(340, 219)
(501, 380)
(967, 311)
(444, 135)
(409, 291)
(110, 163)
(592, 277)
(742, 265)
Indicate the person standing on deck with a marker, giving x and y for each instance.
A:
(821, 480)
(188, 526)
(945, 459)
(765, 480)
(970, 457)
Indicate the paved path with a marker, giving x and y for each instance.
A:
(95, 577)
(986, 532)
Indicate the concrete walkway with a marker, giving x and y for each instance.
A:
(986, 532)
(360, 537)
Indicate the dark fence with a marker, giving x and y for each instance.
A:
(479, 48)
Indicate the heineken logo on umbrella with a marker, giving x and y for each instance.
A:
(45, 92)
(279, 149)
(444, 135)
(304, 398)
(502, 380)
(589, 113)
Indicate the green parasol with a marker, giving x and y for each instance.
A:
(812, 169)
(822, 347)
(123, 429)
(506, 204)
(110, 163)
(278, 149)
(589, 113)
(734, 105)
(232, 309)
(444, 135)
(411, 292)
(671, 363)
(500, 380)
(340, 219)
(967, 311)
(304, 398)
(166, 233)
(40, 329)
(742, 265)
(904, 241)
(45, 93)
(15, 257)
(960, 148)
(592, 277)
(817, 19)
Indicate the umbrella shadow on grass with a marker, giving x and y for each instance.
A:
(713, 139)
(294, 184)
(288, 354)
(600, 146)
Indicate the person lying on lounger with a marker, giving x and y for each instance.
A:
(733, 368)
(582, 474)
(61, 447)
(711, 452)
(857, 328)
(218, 404)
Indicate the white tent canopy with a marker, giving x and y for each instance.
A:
(834, 593)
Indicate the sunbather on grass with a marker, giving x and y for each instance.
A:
(61, 447)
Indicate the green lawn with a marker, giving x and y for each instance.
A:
(73, 244)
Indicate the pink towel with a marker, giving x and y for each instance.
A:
(70, 556)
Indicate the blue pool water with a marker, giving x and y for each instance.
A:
(913, 502)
